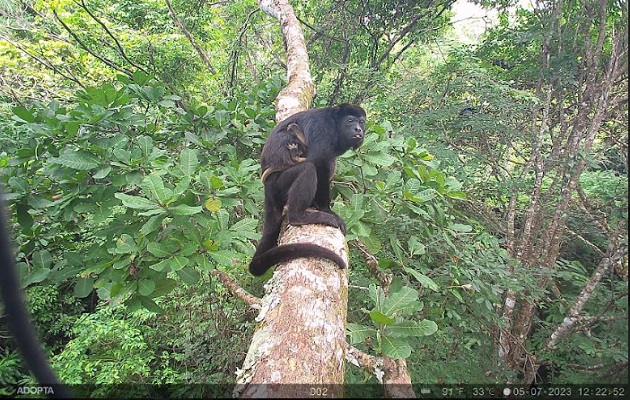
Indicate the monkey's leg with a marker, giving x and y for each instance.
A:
(301, 195)
(272, 222)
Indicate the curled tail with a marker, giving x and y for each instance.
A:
(260, 264)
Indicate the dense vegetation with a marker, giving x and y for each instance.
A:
(491, 171)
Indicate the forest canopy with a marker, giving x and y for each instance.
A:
(491, 188)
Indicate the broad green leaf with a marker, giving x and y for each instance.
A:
(423, 279)
(120, 292)
(412, 328)
(457, 195)
(203, 263)
(381, 319)
(126, 245)
(136, 202)
(19, 185)
(358, 333)
(102, 213)
(399, 300)
(77, 160)
(22, 114)
(461, 228)
(247, 224)
(122, 155)
(457, 294)
(153, 184)
(102, 173)
(189, 275)
(146, 144)
(182, 186)
(427, 195)
(146, 286)
(174, 264)
(188, 161)
(382, 159)
(158, 250)
(183, 209)
(163, 287)
(395, 348)
(223, 257)
(35, 276)
(152, 224)
(42, 259)
(83, 287)
(151, 305)
(377, 295)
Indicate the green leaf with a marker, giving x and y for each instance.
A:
(126, 245)
(146, 287)
(377, 295)
(412, 328)
(399, 300)
(358, 333)
(83, 287)
(42, 259)
(136, 202)
(223, 257)
(153, 184)
(23, 115)
(158, 250)
(395, 348)
(35, 276)
(246, 224)
(152, 224)
(189, 275)
(102, 173)
(423, 279)
(77, 160)
(163, 287)
(19, 185)
(381, 319)
(461, 228)
(183, 209)
(151, 305)
(174, 264)
(188, 161)
(146, 144)
(382, 159)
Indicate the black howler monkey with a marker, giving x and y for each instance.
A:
(18, 318)
(298, 162)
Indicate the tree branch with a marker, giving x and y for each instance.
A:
(192, 41)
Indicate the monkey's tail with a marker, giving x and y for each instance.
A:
(286, 252)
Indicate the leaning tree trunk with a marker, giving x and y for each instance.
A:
(300, 343)
(298, 349)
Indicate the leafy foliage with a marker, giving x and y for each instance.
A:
(131, 173)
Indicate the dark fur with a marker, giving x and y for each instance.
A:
(299, 177)
(18, 318)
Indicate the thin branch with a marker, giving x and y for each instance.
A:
(86, 48)
(372, 265)
(43, 61)
(109, 33)
(192, 41)
(236, 289)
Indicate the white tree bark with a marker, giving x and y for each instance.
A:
(298, 349)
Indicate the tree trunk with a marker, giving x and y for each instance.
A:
(300, 341)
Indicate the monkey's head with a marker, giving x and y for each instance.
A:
(350, 124)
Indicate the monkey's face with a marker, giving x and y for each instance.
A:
(353, 130)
